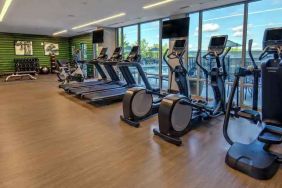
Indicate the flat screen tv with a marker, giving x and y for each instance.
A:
(175, 28)
(98, 36)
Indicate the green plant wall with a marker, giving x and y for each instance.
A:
(7, 49)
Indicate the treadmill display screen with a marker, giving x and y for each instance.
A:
(180, 44)
(274, 35)
(218, 41)
(135, 50)
(103, 51)
(117, 50)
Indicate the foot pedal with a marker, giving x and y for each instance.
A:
(271, 135)
(251, 115)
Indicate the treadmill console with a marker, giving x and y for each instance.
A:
(117, 53)
(217, 44)
(134, 54)
(179, 46)
(272, 39)
(103, 53)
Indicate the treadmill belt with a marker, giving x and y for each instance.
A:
(84, 84)
(106, 95)
(95, 88)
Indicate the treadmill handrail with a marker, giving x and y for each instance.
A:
(140, 71)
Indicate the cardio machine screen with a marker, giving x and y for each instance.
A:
(117, 50)
(218, 41)
(180, 44)
(103, 51)
(274, 35)
(135, 50)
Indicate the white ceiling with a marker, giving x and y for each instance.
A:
(45, 17)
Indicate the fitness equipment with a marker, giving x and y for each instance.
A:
(178, 114)
(96, 62)
(115, 91)
(53, 63)
(91, 90)
(66, 74)
(27, 67)
(44, 70)
(140, 103)
(256, 159)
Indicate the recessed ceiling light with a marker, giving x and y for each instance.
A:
(60, 32)
(99, 21)
(5, 9)
(157, 4)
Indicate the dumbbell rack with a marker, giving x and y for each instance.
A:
(26, 67)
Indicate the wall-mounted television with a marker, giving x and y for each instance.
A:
(175, 28)
(98, 36)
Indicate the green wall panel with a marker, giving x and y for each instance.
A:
(86, 39)
(7, 49)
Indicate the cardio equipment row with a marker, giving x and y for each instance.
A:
(110, 87)
(179, 113)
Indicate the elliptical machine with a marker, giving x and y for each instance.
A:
(256, 159)
(140, 103)
(178, 114)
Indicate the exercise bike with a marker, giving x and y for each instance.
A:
(66, 73)
(140, 103)
(178, 114)
(256, 159)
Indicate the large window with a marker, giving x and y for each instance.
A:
(227, 20)
(192, 53)
(262, 14)
(150, 50)
(130, 38)
(224, 21)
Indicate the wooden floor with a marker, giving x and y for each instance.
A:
(49, 139)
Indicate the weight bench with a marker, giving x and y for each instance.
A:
(21, 75)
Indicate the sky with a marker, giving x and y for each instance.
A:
(222, 21)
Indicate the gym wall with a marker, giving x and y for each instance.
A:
(86, 39)
(7, 49)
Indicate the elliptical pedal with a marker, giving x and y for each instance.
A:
(271, 135)
(251, 115)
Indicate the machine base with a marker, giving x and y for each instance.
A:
(252, 160)
(129, 122)
(173, 140)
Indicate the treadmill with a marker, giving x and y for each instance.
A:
(116, 84)
(102, 57)
(117, 56)
(117, 93)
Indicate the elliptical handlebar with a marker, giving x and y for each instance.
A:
(164, 58)
(251, 54)
(264, 53)
(223, 62)
(174, 55)
(206, 72)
